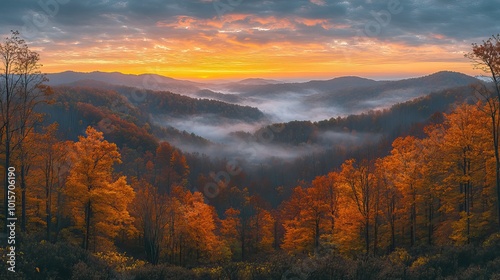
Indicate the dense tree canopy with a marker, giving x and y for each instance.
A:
(425, 206)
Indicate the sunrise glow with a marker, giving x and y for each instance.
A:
(204, 40)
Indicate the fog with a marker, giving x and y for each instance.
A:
(315, 105)
(250, 151)
(209, 126)
(249, 145)
(389, 98)
(281, 107)
(291, 107)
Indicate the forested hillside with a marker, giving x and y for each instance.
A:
(102, 191)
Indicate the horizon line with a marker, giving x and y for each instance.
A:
(384, 77)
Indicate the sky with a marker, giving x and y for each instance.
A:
(236, 39)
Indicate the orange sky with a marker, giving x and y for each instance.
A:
(189, 60)
(192, 42)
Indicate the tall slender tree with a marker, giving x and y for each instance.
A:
(486, 56)
(21, 89)
(359, 179)
(99, 203)
(151, 211)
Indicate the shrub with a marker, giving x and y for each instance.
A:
(472, 273)
(82, 271)
(163, 272)
(45, 260)
(119, 262)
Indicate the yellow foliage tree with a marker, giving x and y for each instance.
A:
(49, 170)
(309, 216)
(150, 209)
(231, 230)
(464, 189)
(262, 224)
(405, 163)
(203, 244)
(99, 203)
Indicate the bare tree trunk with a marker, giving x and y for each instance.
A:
(59, 215)
(242, 240)
(367, 235)
(6, 182)
(276, 239)
(48, 206)
(430, 228)
(7, 150)
(413, 218)
(498, 183)
(496, 126)
(316, 234)
(23, 194)
(88, 214)
(393, 234)
(375, 222)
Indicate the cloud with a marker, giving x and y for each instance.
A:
(179, 35)
(454, 19)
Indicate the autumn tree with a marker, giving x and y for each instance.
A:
(360, 181)
(202, 243)
(486, 57)
(262, 223)
(433, 173)
(174, 238)
(329, 192)
(299, 237)
(262, 230)
(21, 90)
(98, 201)
(390, 197)
(171, 168)
(310, 215)
(50, 167)
(237, 221)
(231, 231)
(405, 162)
(461, 158)
(150, 209)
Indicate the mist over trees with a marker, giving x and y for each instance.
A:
(408, 192)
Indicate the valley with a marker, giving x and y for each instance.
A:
(250, 140)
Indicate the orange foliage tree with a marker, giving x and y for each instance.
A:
(464, 158)
(486, 56)
(405, 163)
(262, 226)
(230, 230)
(98, 202)
(310, 215)
(47, 178)
(360, 183)
(171, 167)
(150, 212)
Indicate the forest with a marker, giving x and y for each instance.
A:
(100, 194)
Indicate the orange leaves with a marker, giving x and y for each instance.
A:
(310, 214)
(99, 204)
(359, 183)
(231, 229)
(487, 55)
(178, 227)
(110, 206)
(426, 191)
(298, 238)
(171, 167)
(466, 176)
(200, 227)
(263, 224)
